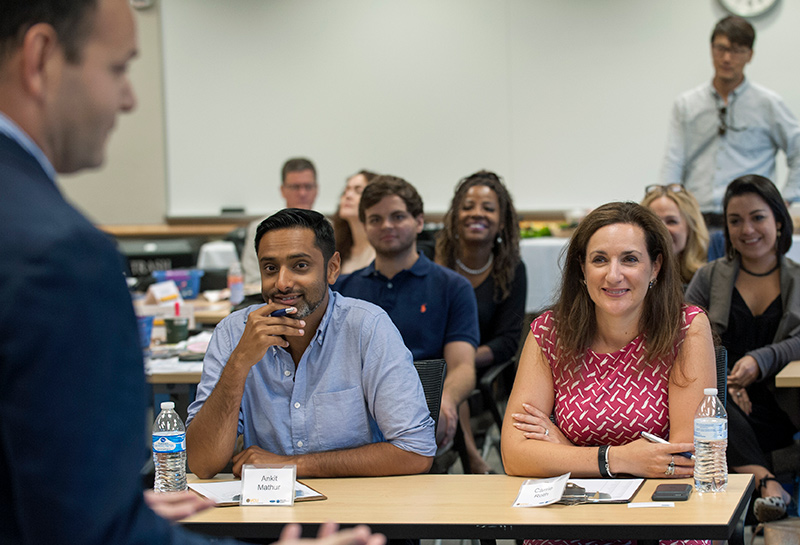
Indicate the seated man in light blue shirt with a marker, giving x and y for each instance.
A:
(329, 386)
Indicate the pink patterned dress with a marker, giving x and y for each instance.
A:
(609, 399)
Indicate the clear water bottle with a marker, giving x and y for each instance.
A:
(236, 283)
(169, 450)
(710, 443)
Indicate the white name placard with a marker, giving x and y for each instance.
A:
(267, 484)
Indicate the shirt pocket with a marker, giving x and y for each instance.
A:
(341, 419)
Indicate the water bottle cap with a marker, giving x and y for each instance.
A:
(167, 405)
(707, 391)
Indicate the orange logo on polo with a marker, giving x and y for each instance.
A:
(423, 308)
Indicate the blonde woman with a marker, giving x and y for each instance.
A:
(679, 211)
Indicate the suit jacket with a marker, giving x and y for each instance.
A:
(72, 389)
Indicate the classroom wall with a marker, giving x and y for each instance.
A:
(568, 100)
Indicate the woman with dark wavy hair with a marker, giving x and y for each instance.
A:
(618, 355)
(753, 300)
(480, 240)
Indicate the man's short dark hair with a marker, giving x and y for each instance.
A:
(386, 186)
(297, 164)
(71, 19)
(297, 218)
(737, 30)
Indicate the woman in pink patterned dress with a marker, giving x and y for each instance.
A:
(619, 354)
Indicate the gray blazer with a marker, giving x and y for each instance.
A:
(712, 289)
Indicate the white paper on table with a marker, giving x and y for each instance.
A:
(229, 492)
(609, 490)
(172, 365)
(539, 492)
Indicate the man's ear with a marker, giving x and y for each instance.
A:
(420, 223)
(334, 267)
(42, 59)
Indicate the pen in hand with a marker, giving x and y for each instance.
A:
(280, 312)
(656, 439)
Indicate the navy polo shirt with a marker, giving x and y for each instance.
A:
(431, 305)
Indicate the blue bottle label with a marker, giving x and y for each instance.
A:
(169, 441)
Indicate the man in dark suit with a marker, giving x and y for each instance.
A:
(72, 390)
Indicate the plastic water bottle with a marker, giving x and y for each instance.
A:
(236, 283)
(710, 443)
(169, 450)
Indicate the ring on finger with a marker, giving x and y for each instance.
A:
(546, 432)
(670, 469)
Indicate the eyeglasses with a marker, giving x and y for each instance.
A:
(673, 188)
(300, 187)
(735, 51)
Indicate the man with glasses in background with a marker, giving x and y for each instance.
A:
(729, 127)
(299, 190)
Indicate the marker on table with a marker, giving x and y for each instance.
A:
(656, 439)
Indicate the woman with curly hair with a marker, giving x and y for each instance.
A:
(480, 240)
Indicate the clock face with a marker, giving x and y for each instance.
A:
(748, 8)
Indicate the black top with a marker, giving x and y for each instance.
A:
(746, 332)
(501, 323)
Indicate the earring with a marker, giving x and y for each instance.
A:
(652, 283)
(500, 239)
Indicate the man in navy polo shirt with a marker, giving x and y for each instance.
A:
(433, 307)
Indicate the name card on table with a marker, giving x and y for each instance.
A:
(268, 484)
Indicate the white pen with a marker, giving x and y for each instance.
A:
(656, 439)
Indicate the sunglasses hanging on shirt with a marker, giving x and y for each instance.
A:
(724, 127)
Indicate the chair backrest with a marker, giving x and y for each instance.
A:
(721, 355)
(431, 374)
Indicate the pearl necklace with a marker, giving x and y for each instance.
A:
(475, 271)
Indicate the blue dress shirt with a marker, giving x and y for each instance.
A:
(758, 125)
(354, 385)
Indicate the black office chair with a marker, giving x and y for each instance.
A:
(721, 356)
(487, 388)
(431, 374)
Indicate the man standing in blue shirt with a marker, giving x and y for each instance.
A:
(729, 127)
(327, 385)
(433, 307)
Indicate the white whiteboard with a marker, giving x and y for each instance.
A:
(568, 100)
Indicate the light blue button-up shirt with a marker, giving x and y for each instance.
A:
(13, 131)
(355, 385)
(759, 124)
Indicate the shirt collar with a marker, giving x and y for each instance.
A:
(333, 299)
(421, 267)
(741, 88)
(14, 132)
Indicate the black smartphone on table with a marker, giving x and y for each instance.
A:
(672, 492)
